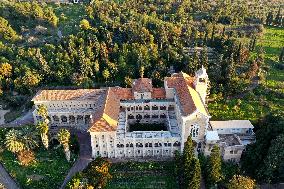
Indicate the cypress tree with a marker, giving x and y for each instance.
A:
(204, 57)
(281, 56)
(188, 156)
(178, 167)
(196, 175)
(214, 166)
(278, 18)
(269, 18)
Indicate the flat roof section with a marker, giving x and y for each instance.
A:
(236, 124)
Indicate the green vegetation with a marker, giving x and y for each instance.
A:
(135, 175)
(187, 167)
(30, 163)
(268, 95)
(48, 170)
(214, 171)
(147, 127)
(112, 42)
(138, 175)
(263, 160)
(240, 182)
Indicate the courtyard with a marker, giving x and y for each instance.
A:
(147, 127)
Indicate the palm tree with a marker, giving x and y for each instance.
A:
(13, 141)
(19, 140)
(29, 138)
(63, 138)
(43, 130)
(42, 126)
(42, 111)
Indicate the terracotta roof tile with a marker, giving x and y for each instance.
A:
(189, 99)
(77, 94)
(159, 93)
(106, 119)
(142, 85)
(123, 93)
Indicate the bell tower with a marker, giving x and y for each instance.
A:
(201, 82)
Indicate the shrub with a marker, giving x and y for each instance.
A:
(26, 157)
(2, 186)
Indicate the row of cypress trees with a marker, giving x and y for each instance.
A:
(188, 169)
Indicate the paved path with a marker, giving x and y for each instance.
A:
(27, 118)
(6, 179)
(84, 159)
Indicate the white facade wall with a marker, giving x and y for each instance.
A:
(233, 130)
(107, 145)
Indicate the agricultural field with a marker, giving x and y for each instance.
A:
(135, 175)
(268, 95)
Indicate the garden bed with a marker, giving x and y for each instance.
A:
(147, 127)
(139, 175)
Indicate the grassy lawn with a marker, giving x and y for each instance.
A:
(48, 171)
(265, 98)
(135, 175)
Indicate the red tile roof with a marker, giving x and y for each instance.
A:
(142, 85)
(189, 99)
(123, 93)
(61, 95)
(159, 93)
(106, 118)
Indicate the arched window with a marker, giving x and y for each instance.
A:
(155, 116)
(138, 116)
(146, 116)
(63, 118)
(171, 108)
(155, 107)
(146, 107)
(194, 131)
(55, 118)
(71, 119)
(130, 116)
(163, 116)
(163, 108)
(176, 144)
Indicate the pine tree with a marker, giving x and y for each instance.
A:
(214, 166)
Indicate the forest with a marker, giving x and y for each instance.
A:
(109, 43)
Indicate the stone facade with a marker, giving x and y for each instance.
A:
(107, 114)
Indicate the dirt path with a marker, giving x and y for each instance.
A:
(6, 179)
